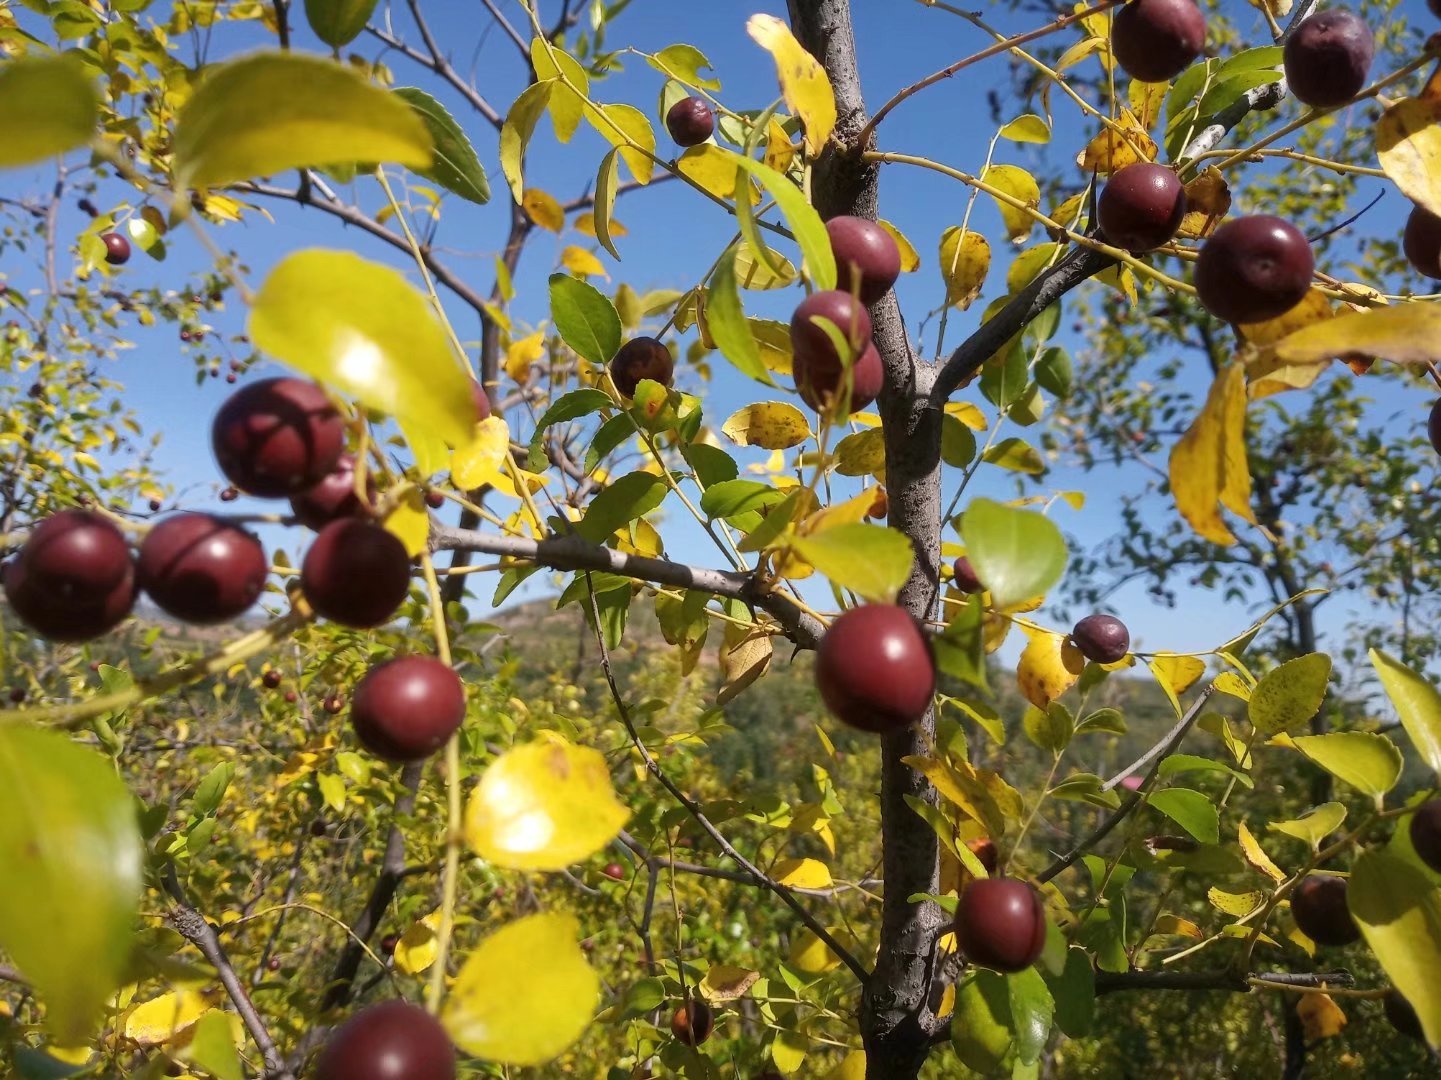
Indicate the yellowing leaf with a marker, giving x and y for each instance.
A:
(709, 168)
(812, 956)
(965, 261)
(1321, 1017)
(47, 106)
(273, 111)
(1049, 666)
(1403, 333)
(580, 261)
(543, 209)
(804, 84)
(522, 354)
(1116, 147)
(802, 873)
(910, 260)
(160, 1019)
(362, 328)
(567, 99)
(1028, 128)
(418, 946)
(543, 806)
(1369, 762)
(1399, 910)
(852, 1068)
(725, 983)
(540, 1006)
(1180, 672)
(626, 127)
(1313, 826)
(515, 133)
(771, 425)
(873, 561)
(1408, 146)
(1417, 703)
(1257, 857)
(1290, 695)
(753, 273)
(744, 657)
(1019, 184)
(1208, 466)
(410, 522)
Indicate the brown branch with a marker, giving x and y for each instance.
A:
(510, 31)
(1108, 982)
(437, 63)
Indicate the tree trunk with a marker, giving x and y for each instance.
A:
(897, 1024)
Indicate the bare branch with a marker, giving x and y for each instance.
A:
(1108, 982)
(510, 31)
(437, 63)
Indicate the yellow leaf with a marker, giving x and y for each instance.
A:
(1114, 149)
(364, 329)
(780, 151)
(519, 126)
(418, 946)
(1321, 1017)
(804, 84)
(1145, 100)
(965, 261)
(304, 761)
(1256, 855)
(744, 657)
(626, 127)
(1180, 672)
(542, 1004)
(967, 414)
(47, 106)
(522, 353)
(543, 209)
(1049, 666)
(1403, 333)
(725, 983)
(1279, 8)
(709, 168)
(567, 98)
(480, 460)
(273, 111)
(543, 806)
(1408, 146)
(753, 273)
(1208, 199)
(1019, 184)
(810, 955)
(910, 260)
(160, 1019)
(771, 425)
(410, 522)
(580, 261)
(802, 873)
(852, 1068)
(1208, 465)
(1314, 307)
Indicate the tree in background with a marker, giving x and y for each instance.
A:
(362, 800)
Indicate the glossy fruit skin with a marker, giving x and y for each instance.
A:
(690, 121)
(117, 248)
(816, 364)
(1103, 639)
(434, 499)
(1421, 241)
(875, 669)
(73, 579)
(201, 569)
(277, 437)
(334, 497)
(614, 871)
(1402, 1015)
(1328, 56)
(355, 573)
(1319, 907)
(1426, 833)
(966, 579)
(1156, 40)
(390, 1041)
(693, 1022)
(407, 708)
(868, 260)
(641, 358)
(271, 679)
(1001, 924)
(1253, 269)
(1141, 206)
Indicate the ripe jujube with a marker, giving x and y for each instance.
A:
(1103, 639)
(73, 578)
(1253, 269)
(874, 668)
(868, 260)
(1141, 206)
(117, 248)
(641, 358)
(1156, 40)
(1321, 912)
(407, 708)
(1421, 241)
(356, 573)
(816, 363)
(1327, 57)
(277, 437)
(1426, 833)
(965, 577)
(390, 1041)
(1402, 1015)
(693, 1022)
(333, 497)
(1001, 924)
(270, 679)
(201, 569)
(614, 871)
(690, 121)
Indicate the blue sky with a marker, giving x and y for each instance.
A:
(673, 233)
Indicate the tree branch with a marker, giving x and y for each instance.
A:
(437, 63)
(576, 553)
(1108, 982)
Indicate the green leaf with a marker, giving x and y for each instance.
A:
(981, 1026)
(958, 444)
(1370, 763)
(211, 790)
(873, 561)
(1191, 810)
(212, 1047)
(515, 133)
(270, 112)
(1085, 787)
(456, 167)
(1019, 554)
(630, 497)
(364, 329)
(960, 648)
(1031, 1012)
(338, 22)
(585, 318)
(1313, 826)
(805, 223)
(571, 406)
(1050, 729)
(1054, 372)
(1003, 380)
(1074, 992)
(1399, 910)
(643, 997)
(1417, 703)
(1016, 455)
(1287, 697)
(726, 320)
(606, 178)
(1109, 721)
(47, 106)
(685, 63)
(71, 848)
(731, 498)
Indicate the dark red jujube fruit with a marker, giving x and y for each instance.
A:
(356, 573)
(201, 569)
(1001, 924)
(875, 669)
(390, 1041)
(277, 437)
(73, 579)
(407, 708)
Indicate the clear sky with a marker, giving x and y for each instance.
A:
(673, 234)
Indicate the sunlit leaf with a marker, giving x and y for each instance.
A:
(1417, 703)
(1408, 146)
(338, 22)
(1019, 184)
(571, 85)
(802, 873)
(585, 318)
(1399, 910)
(160, 1019)
(965, 260)
(47, 106)
(517, 130)
(1369, 762)
(723, 982)
(1312, 826)
(1208, 468)
(804, 84)
(1028, 128)
(1189, 809)
(873, 561)
(1290, 695)
(771, 425)
(418, 946)
(1018, 553)
(1049, 666)
(726, 320)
